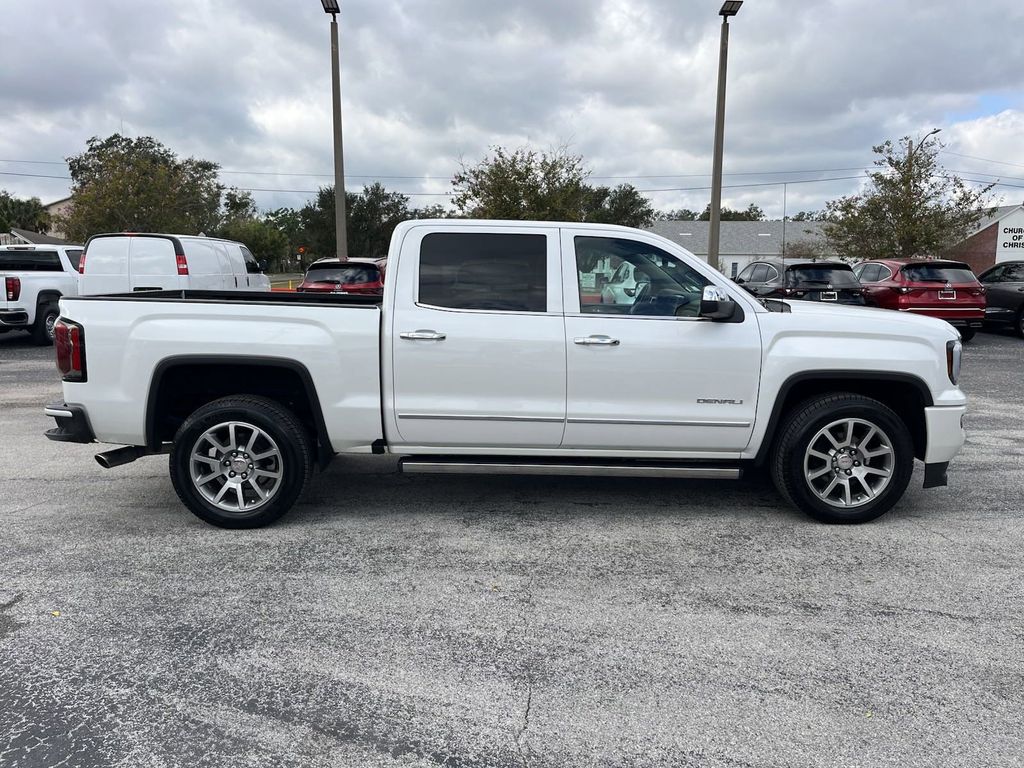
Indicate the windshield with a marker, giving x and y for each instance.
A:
(344, 275)
(935, 273)
(840, 277)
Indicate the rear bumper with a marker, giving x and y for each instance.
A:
(966, 317)
(72, 423)
(13, 318)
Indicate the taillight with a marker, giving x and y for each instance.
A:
(81, 264)
(182, 263)
(69, 343)
(12, 286)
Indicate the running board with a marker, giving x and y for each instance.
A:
(459, 466)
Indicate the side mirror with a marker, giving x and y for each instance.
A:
(263, 266)
(739, 280)
(715, 304)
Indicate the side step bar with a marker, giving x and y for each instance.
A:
(471, 466)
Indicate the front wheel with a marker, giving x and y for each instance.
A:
(843, 458)
(240, 462)
(966, 334)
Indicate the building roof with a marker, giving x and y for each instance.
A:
(34, 238)
(999, 213)
(740, 238)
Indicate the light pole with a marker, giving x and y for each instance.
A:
(729, 8)
(340, 235)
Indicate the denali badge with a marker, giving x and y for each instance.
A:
(716, 401)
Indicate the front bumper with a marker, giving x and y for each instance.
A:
(946, 436)
(72, 423)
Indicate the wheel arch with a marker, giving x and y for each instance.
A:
(183, 383)
(906, 394)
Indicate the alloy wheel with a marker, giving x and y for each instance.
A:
(236, 466)
(849, 462)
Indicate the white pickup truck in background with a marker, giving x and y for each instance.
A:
(34, 278)
(493, 350)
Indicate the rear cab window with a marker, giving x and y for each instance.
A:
(484, 271)
(74, 257)
(30, 261)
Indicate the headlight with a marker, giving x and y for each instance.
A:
(953, 355)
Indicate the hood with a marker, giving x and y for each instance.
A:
(876, 320)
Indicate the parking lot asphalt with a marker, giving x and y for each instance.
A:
(395, 620)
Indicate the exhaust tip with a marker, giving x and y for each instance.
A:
(118, 456)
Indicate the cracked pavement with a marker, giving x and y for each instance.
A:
(397, 620)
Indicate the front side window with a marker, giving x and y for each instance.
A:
(661, 285)
(1014, 273)
(484, 271)
(251, 265)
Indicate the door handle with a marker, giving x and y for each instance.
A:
(596, 340)
(422, 335)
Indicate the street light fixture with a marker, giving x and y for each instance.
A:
(340, 235)
(729, 8)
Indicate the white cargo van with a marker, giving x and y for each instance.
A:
(125, 262)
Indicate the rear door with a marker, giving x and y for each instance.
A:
(653, 376)
(152, 262)
(1005, 285)
(477, 338)
(106, 266)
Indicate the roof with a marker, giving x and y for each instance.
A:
(740, 238)
(35, 238)
(999, 213)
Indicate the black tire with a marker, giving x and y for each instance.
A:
(966, 334)
(792, 452)
(1019, 323)
(42, 328)
(282, 431)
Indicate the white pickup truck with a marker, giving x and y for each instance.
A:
(34, 278)
(495, 350)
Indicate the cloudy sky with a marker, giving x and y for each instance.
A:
(628, 84)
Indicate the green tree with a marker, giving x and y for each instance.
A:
(679, 214)
(623, 205)
(809, 216)
(267, 243)
(372, 219)
(16, 213)
(523, 184)
(751, 213)
(238, 206)
(123, 184)
(911, 206)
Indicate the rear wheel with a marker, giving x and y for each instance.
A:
(240, 462)
(843, 458)
(1019, 325)
(42, 329)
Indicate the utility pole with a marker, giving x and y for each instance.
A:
(730, 8)
(340, 234)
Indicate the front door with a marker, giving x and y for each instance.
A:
(645, 373)
(478, 340)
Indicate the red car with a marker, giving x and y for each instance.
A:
(938, 288)
(362, 276)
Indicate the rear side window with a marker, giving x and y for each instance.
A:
(868, 273)
(837, 276)
(30, 261)
(107, 256)
(74, 256)
(464, 270)
(152, 256)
